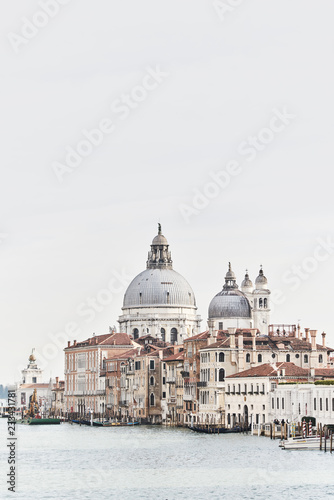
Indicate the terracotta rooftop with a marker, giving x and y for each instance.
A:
(179, 356)
(324, 372)
(273, 370)
(108, 339)
(34, 386)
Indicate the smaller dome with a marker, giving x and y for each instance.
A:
(261, 279)
(159, 239)
(229, 304)
(246, 283)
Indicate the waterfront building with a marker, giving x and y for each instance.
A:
(248, 393)
(58, 404)
(242, 349)
(191, 375)
(32, 378)
(174, 383)
(294, 402)
(159, 301)
(84, 383)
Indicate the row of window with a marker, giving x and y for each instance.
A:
(321, 405)
(173, 334)
(242, 389)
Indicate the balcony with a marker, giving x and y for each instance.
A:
(170, 380)
(202, 384)
(123, 403)
(101, 392)
(185, 374)
(171, 400)
(188, 397)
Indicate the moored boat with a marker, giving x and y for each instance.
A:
(301, 443)
(39, 421)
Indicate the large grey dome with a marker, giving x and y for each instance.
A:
(159, 287)
(229, 304)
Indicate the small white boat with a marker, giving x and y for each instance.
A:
(302, 443)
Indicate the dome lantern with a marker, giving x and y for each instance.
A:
(159, 257)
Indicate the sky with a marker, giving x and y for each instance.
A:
(214, 118)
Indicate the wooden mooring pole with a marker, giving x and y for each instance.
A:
(331, 442)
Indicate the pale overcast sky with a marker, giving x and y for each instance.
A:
(242, 92)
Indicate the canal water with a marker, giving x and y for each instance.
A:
(147, 462)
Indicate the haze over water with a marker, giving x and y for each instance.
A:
(69, 461)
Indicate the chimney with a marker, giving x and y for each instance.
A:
(231, 332)
(307, 334)
(312, 373)
(68, 343)
(297, 332)
(57, 382)
(323, 339)
(74, 342)
(313, 334)
(212, 332)
(253, 333)
(241, 360)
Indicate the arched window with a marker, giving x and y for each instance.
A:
(221, 357)
(265, 303)
(260, 302)
(163, 334)
(320, 358)
(305, 358)
(259, 358)
(151, 380)
(135, 333)
(248, 358)
(221, 375)
(288, 358)
(173, 335)
(152, 399)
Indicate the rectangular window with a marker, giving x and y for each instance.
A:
(278, 403)
(282, 403)
(326, 404)
(272, 403)
(163, 380)
(315, 403)
(151, 364)
(332, 404)
(137, 365)
(320, 404)
(163, 395)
